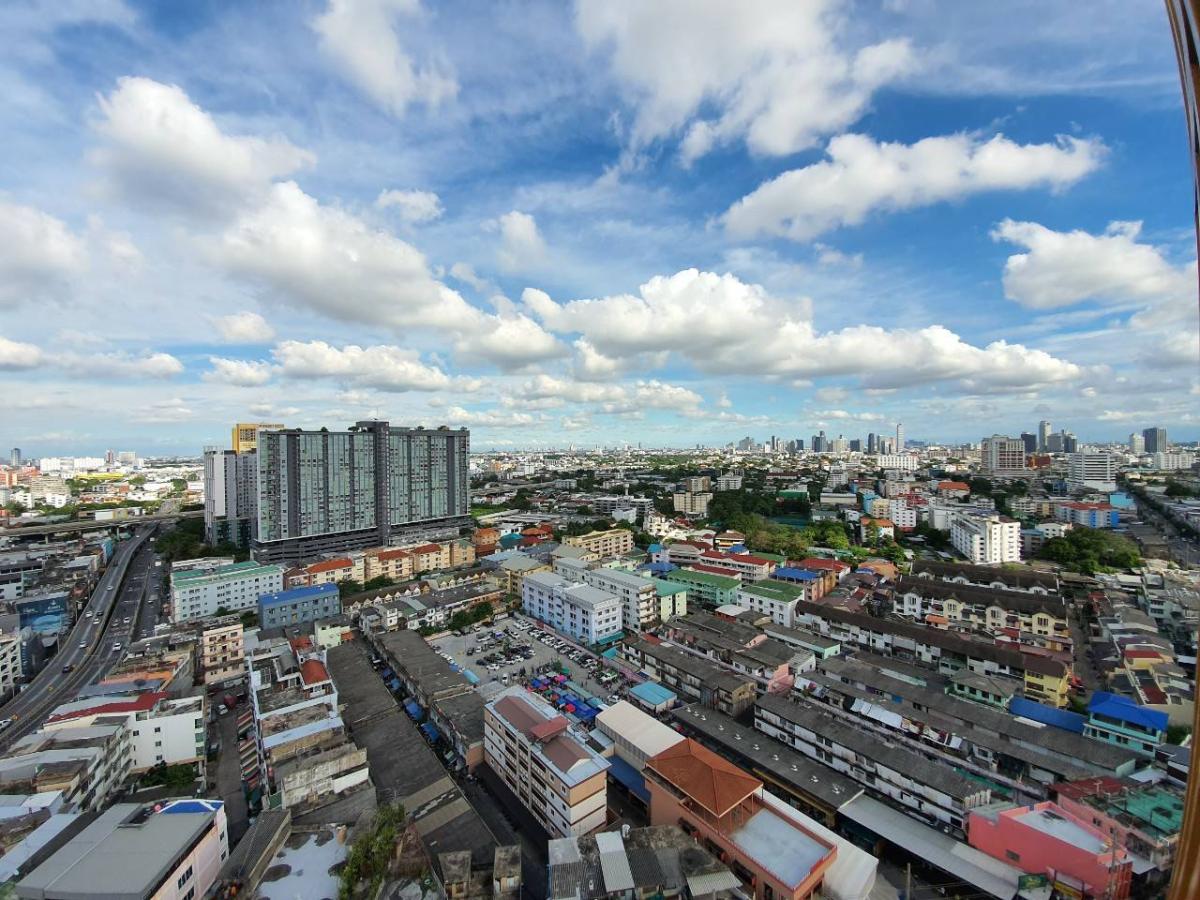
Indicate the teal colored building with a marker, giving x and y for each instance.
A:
(1119, 721)
(706, 588)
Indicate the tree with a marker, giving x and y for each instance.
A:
(349, 588)
(1088, 550)
(1177, 489)
(379, 581)
(1176, 733)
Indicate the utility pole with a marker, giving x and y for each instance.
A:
(908, 881)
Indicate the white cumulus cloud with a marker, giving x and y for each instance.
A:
(521, 244)
(39, 254)
(18, 355)
(363, 40)
(240, 372)
(243, 328)
(412, 206)
(862, 176)
(773, 74)
(384, 367)
(161, 149)
(1060, 268)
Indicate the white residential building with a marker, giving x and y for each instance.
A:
(637, 595)
(10, 663)
(1170, 462)
(580, 611)
(555, 775)
(197, 593)
(1092, 470)
(730, 481)
(986, 539)
(901, 461)
(692, 503)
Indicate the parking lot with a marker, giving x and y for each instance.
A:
(521, 649)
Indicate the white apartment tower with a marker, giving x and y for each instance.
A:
(899, 437)
(1092, 470)
(983, 539)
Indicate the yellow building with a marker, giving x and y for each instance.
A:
(614, 542)
(1047, 681)
(245, 435)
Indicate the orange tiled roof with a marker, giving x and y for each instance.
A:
(710, 780)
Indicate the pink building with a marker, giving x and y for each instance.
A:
(1045, 839)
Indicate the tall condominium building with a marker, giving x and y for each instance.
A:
(333, 491)
(986, 539)
(1043, 436)
(872, 443)
(899, 437)
(1137, 444)
(1000, 455)
(1155, 440)
(230, 496)
(245, 435)
(1090, 470)
(1030, 441)
(694, 484)
(556, 776)
(14, 458)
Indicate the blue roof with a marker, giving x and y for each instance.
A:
(192, 806)
(1125, 710)
(790, 573)
(653, 693)
(430, 730)
(300, 593)
(630, 777)
(413, 708)
(654, 548)
(660, 567)
(1047, 715)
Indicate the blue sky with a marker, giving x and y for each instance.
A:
(673, 223)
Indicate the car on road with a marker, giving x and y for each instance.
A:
(68, 668)
(4, 723)
(83, 645)
(116, 645)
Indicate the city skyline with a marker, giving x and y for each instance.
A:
(560, 242)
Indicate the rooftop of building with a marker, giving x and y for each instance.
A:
(777, 591)
(971, 594)
(296, 594)
(248, 569)
(700, 577)
(775, 761)
(549, 734)
(711, 781)
(710, 673)
(126, 851)
(646, 733)
(407, 651)
(904, 761)
(1155, 809)
(1015, 577)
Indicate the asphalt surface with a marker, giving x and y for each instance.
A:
(95, 644)
(1182, 549)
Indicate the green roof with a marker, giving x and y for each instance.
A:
(780, 591)
(689, 576)
(777, 558)
(234, 570)
(668, 588)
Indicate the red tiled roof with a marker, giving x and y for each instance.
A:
(425, 548)
(301, 643)
(710, 780)
(330, 565)
(749, 559)
(139, 703)
(313, 671)
(1087, 787)
(953, 486)
(715, 570)
(549, 728)
(1142, 654)
(394, 553)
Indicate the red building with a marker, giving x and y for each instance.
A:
(1044, 839)
(764, 843)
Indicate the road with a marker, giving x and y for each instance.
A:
(1182, 549)
(67, 527)
(96, 642)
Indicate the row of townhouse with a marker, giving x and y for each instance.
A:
(691, 676)
(984, 610)
(1007, 578)
(949, 723)
(931, 792)
(396, 563)
(1045, 680)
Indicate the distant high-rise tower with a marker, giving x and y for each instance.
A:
(899, 437)
(1155, 439)
(872, 443)
(1031, 442)
(1043, 443)
(1137, 444)
(15, 458)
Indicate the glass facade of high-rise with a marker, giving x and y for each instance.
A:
(336, 490)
